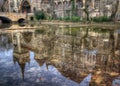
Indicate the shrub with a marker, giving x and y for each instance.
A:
(75, 18)
(101, 19)
(39, 15)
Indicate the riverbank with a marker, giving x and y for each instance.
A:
(76, 24)
(42, 23)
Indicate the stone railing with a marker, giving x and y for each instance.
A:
(13, 16)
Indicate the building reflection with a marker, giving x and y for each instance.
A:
(5, 42)
(21, 52)
(22, 60)
(75, 52)
(82, 52)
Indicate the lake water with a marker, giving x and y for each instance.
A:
(60, 56)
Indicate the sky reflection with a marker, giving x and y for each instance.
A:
(49, 59)
(34, 75)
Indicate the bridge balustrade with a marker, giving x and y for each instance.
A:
(13, 16)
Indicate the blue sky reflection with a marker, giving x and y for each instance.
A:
(35, 75)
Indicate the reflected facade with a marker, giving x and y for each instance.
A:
(58, 56)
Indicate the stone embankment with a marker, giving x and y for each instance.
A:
(79, 24)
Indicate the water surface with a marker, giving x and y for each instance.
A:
(60, 56)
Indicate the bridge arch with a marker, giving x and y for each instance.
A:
(21, 22)
(5, 22)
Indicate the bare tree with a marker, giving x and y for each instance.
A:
(5, 6)
(114, 10)
(1, 4)
(86, 9)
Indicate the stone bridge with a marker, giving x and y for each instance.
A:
(13, 16)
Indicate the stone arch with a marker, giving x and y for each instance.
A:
(25, 6)
(5, 22)
(21, 22)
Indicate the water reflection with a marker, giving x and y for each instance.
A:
(55, 56)
(5, 43)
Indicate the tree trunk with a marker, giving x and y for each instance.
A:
(114, 10)
(86, 10)
(112, 47)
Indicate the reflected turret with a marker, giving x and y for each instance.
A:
(21, 59)
(21, 55)
(41, 60)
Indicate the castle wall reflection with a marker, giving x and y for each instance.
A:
(57, 56)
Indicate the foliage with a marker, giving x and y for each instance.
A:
(73, 4)
(73, 18)
(73, 8)
(101, 19)
(99, 30)
(39, 15)
(42, 31)
(73, 30)
(66, 18)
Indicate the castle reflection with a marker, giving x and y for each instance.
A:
(70, 53)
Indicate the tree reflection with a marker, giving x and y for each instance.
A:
(27, 36)
(5, 42)
(75, 52)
